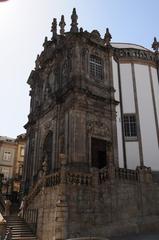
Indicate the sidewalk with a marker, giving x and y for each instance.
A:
(150, 236)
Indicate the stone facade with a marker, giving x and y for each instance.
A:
(71, 172)
(99, 204)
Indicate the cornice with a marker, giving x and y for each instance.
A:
(131, 55)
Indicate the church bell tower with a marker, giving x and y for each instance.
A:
(71, 128)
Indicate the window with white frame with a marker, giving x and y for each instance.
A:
(22, 151)
(5, 171)
(7, 156)
(96, 67)
(130, 128)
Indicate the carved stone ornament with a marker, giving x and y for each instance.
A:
(54, 29)
(95, 127)
(95, 35)
(47, 125)
(155, 45)
(45, 166)
(62, 25)
(74, 24)
(37, 62)
(107, 38)
(45, 42)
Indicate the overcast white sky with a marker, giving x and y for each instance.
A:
(25, 23)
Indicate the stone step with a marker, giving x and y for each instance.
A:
(24, 238)
(17, 225)
(20, 230)
(25, 235)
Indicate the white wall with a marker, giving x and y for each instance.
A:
(132, 148)
(132, 154)
(146, 115)
(156, 89)
(127, 88)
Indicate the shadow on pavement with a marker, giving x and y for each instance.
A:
(151, 236)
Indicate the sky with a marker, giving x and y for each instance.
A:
(24, 25)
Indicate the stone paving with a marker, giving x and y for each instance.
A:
(150, 236)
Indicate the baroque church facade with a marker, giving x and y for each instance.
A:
(92, 137)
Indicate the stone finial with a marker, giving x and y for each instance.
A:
(74, 23)
(155, 45)
(54, 29)
(45, 42)
(107, 37)
(37, 62)
(62, 25)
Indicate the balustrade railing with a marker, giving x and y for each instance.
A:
(52, 179)
(30, 216)
(35, 190)
(126, 174)
(78, 178)
(8, 235)
(103, 175)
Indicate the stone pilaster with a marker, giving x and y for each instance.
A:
(61, 209)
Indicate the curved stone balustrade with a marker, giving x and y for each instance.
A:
(35, 190)
(52, 179)
(126, 174)
(79, 178)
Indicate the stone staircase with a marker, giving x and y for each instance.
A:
(19, 229)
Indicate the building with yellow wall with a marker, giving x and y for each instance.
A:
(18, 164)
(11, 162)
(8, 150)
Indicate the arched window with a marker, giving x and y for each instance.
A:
(96, 67)
(47, 150)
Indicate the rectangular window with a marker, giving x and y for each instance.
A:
(98, 152)
(130, 129)
(5, 171)
(96, 67)
(7, 156)
(22, 151)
